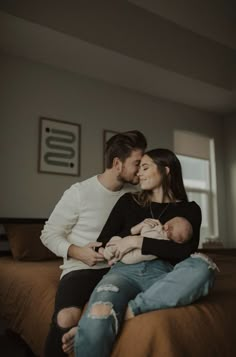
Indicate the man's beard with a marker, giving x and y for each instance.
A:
(123, 179)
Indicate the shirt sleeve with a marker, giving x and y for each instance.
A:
(60, 223)
(116, 220)
(170, 250)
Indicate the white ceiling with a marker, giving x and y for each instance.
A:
(215, 19)
(31, 40)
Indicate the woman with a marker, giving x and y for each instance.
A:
(178, 277)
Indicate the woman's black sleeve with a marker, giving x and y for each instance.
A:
(170, 250)
(115, 222)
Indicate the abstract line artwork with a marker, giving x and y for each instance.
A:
(59, 147)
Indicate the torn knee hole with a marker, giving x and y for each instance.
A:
(68, 317)
(101, 309)
(108, 287)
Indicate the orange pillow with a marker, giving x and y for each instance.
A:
(25, 243)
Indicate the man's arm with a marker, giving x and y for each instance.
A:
(59, 225)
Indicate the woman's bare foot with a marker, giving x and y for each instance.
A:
(68, 340)
(128, 314)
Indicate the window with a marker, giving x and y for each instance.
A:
(196, 154)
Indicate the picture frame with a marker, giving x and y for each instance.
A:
(59, 147)
(107, 134)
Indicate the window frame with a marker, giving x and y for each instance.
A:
(212, 228)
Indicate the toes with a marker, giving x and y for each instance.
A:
(68, 348)
(68, 340)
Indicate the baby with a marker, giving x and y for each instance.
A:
(177, 229)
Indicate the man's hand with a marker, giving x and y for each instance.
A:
(86, 254)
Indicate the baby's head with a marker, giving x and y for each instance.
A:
(178, 229)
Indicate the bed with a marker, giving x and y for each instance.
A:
(28, 286)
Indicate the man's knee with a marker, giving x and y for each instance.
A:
(68, 317)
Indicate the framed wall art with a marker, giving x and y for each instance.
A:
(59, 147)
(107, 134)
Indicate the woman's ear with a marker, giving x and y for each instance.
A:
(167, 170)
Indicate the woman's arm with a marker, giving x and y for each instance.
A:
(116, 221)
(170, 250)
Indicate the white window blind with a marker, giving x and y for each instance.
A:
(196, 154)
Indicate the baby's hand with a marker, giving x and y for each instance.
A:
(109, 253)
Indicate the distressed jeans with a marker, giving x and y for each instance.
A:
(146, 286)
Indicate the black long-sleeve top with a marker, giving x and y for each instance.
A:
(127, 213)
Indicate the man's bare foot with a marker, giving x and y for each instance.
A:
(68, 340)
(128, 314)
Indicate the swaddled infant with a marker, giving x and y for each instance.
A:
(177, 229)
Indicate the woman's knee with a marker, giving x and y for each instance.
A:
(205, 270)
(100, 309)
(204, 263)
(68, 317)
(200, 269)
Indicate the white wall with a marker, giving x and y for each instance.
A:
(230, 178)
(29, 90)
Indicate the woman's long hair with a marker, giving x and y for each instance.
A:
(172, 182)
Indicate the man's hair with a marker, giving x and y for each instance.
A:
(121, 145)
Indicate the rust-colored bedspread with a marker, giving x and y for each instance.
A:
(206, 328)
(27, 293)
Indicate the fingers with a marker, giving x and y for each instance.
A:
(152, 222)
(69, 347)
(109, 244)
(98, 257)
(112, 262)
(108, 253)
(94, 244)
(101, 250)
(117, 255)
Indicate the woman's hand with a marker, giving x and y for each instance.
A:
(152, 222)
(125, 245)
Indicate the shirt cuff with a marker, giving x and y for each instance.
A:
(147, 246)
(63, 249)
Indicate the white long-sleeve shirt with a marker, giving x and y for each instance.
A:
(78, 218)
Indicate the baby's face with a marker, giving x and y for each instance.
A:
(173, 231)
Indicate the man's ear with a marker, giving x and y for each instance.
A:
(117, 164)
(167, 170)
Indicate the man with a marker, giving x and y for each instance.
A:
(74, 225)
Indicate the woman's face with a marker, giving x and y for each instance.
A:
(149, 174)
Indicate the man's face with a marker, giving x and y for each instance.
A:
(130, 168)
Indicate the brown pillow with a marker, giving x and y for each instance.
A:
(25, 243)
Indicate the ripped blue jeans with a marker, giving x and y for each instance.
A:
(146, 286)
